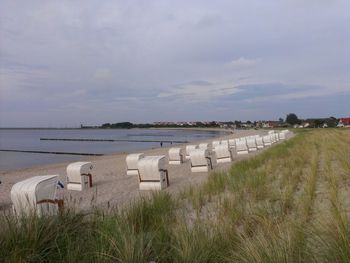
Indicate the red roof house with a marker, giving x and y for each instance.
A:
(345, 121)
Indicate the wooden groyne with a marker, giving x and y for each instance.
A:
(67, 153)
(109, 140)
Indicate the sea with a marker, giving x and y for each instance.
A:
(133, 140)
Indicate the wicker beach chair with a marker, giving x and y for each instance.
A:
(224, 142)
(190, 148)
(201, 161)
(79, 176)
(242, 147)
(251, 143)
(153, 175)
(37, 195)
(267, 140)
(215, 143)
(281, 136)
(204, 145)
(232, 143)
(176, 156)
(259, 142)
(223, 154)
(131, 163)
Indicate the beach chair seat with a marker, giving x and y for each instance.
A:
(223, 154)
(201, 161)
(271, 132)
(176, 156)
(259, 142)
(242, 148)
(153, 173)
(131, 163)
(267, 140)
(36, 195)
(79, 176)
(251, 143)
(190, 148)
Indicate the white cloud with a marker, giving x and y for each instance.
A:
(300, 93)
(200, 91)
(242, 63)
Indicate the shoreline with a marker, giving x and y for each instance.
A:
(111, 185)
(37, 166)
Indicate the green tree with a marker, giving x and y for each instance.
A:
(292, 119)
(331, 122)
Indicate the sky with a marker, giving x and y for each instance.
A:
(66, 63)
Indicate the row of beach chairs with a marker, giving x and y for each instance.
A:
(40, 192)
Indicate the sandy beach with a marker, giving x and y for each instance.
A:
(111, 186)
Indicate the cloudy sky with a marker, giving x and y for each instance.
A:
(63, 63)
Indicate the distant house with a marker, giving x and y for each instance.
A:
(344, 122)
(247, 125)
(305, 124)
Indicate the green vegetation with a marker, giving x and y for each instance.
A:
(288, 204)
(292, 119)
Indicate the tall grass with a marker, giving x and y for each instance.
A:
(287, 204)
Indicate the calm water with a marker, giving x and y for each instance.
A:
(17, 139)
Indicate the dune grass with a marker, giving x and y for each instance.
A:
(287, 204)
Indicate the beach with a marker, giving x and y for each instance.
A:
(111, 186)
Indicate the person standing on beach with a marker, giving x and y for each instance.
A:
(161, 144)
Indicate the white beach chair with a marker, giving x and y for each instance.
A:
(251, 143)
(176, 156)
(267, 140)
(215, 143)
(224, 142)
(282, 136)
(153, 175)
(287, 132)
(223, 154)
(190, 148)
(277, 138)
(242, 148)
(36, 195)
(271, 132)
(131, 163)
(232, 143)
(200, 161)
(272, 138)
(259, 143)
(79, 176)
(203, 145)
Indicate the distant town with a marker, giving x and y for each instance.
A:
(291, 121)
